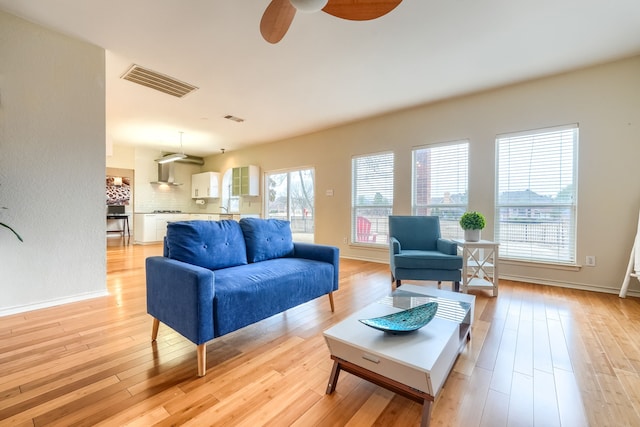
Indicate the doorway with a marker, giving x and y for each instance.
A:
(290, 196)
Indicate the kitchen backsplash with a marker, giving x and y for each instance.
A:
(150, 197)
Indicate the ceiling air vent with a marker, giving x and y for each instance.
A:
(234, 118)
(157, 81)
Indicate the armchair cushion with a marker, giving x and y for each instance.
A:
(427, 260)
(208, 244)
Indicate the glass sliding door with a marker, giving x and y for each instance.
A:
(291, 197)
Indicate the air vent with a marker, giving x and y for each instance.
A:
(158, 81)
(234, 118)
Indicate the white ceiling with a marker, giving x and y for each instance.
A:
(326, 71)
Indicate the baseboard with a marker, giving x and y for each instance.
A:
(52, 303)
(377, 261)
(568, 285)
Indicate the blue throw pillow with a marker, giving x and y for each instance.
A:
(267, 238)
(208, 244)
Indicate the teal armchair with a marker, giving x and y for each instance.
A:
(417, 252)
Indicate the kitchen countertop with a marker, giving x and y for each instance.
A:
(188, 213)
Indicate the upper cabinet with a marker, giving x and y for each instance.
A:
(246, 181)
(204, 185)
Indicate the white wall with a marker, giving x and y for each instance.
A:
(52, 167)
(604, 100)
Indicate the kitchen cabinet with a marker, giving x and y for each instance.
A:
(205, 185)
(204, 217)
(144, 228)
(235, 217)
(163, 220)
(152, 228)
(245, 181)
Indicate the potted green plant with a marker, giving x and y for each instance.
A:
(472, 222)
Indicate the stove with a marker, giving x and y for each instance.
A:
(166, 211)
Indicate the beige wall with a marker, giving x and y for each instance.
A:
(52, 163)
(604, 100)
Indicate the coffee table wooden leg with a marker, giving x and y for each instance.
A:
(426, 413)
(333, 378)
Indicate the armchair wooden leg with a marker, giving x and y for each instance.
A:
(398, 283)
(202, 359)
(154, 329)
(331, 302)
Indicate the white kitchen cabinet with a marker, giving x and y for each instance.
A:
(235, 217)
(144, 228)
(245, 181)
(205, 185)
(163, 220)
(204, 217)
(151, 228)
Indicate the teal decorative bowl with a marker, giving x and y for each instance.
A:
(404, 321)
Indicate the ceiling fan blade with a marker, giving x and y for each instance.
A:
(276, 20)
(360, 10)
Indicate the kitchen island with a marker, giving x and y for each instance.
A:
(151, 227)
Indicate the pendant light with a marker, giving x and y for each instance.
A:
(175, 156)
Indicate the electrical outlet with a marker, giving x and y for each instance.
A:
(344, 239)
(590, 261)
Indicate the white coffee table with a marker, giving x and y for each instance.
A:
(414, 365)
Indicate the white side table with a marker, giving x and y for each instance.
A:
(479, 265)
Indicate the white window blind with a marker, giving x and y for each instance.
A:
(536, 194)
(372, 198)
(440, 184)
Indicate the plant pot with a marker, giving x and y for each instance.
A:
(472, 235)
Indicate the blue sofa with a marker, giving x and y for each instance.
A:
(218, 276)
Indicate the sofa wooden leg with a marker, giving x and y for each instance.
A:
(331, 302)
(154, 329)
(202, 359)
(398, 283)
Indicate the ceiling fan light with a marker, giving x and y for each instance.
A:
(309, 5)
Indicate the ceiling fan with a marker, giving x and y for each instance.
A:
(279, 14)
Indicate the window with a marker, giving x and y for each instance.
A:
(291, 197)
(536, 188)
(440, 184)
(372, 198)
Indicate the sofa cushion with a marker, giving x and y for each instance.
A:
(247, 294)
(208, 244)
(266, 238)
(427, 259)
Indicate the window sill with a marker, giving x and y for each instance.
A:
(369, 246)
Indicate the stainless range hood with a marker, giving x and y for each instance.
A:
(165, 174)
(165, 170)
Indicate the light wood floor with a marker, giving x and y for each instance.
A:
(539, 355)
